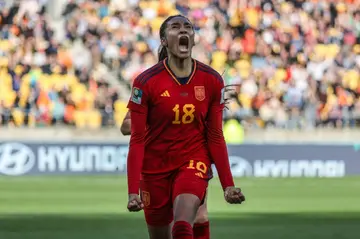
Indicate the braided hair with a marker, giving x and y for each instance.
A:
(162, 52)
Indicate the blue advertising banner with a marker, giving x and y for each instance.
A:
(252, 160)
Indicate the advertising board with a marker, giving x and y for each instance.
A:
(249, 160)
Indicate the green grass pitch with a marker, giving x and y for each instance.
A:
(94, 207)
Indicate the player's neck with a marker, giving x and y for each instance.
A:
(180, 67)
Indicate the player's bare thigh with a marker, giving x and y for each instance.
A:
(202, 215)
(163, 232)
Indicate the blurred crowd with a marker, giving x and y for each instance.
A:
(296, 62)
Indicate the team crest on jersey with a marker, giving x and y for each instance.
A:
(136, 95)
(199, 93)
(145, 198)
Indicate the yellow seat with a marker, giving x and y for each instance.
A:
(119, 118)
(94, 119)
(25, 80)
(120, 106)
(245, 100)
(332, 50)
(4, 61)
(45, 82)
(58, 81)
(24, 94)
(9, 98)
(156, 23)
(5, 79)
(78, 91)
(90, 100)
(70, 80)
(80, 119)
(18, 117)
(5, 45)
(320, 50)
(243, 67)
(352, 78)
(280, 75)
(32, 120)
(143, 4)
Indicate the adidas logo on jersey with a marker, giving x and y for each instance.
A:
(199, 175)
(165, 94)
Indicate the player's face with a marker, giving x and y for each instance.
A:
(179, 37)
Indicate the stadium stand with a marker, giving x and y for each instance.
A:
(297, 61)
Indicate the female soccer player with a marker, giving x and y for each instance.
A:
(201, 228)
(176, 133)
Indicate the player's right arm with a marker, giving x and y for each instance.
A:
(126, 125)
(216, 143)
(138, 106)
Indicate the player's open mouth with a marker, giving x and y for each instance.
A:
(184, 44)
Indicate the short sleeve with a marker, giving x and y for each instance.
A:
(139, 97)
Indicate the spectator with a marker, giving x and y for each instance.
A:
(297, 62)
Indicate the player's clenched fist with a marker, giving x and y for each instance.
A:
(234, 195)
(135, 204)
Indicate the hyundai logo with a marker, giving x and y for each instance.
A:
(16, 159)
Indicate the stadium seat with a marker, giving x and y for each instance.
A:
(9, 98)
(45, 82)
(94, 119)
(90, 100)
(78, 89)
(32, 120)
(5, 45)
(80, 119)
(243, 67)
(18, 116)
(120, 106)
(320, 50)
(245, 100)
(58, 81)
(25, 80)
(156, 23)
(119, 117)
(280, 75)
(352, 78)
(5, 79)
(71, 80)
(332, 50)
(24, 90)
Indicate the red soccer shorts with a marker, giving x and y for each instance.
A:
(158, 192)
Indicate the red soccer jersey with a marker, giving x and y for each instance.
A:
(173, 123)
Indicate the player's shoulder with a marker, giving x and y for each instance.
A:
(149, 73)
(209, 71)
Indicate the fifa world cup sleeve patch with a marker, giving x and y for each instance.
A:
(136, 95)
(222, 97)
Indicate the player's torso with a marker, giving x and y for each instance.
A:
(176, 117)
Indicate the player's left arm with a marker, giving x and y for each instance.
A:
(138, 107)
(216, 142)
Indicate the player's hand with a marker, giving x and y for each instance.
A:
(234, 195)
(135, 204)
